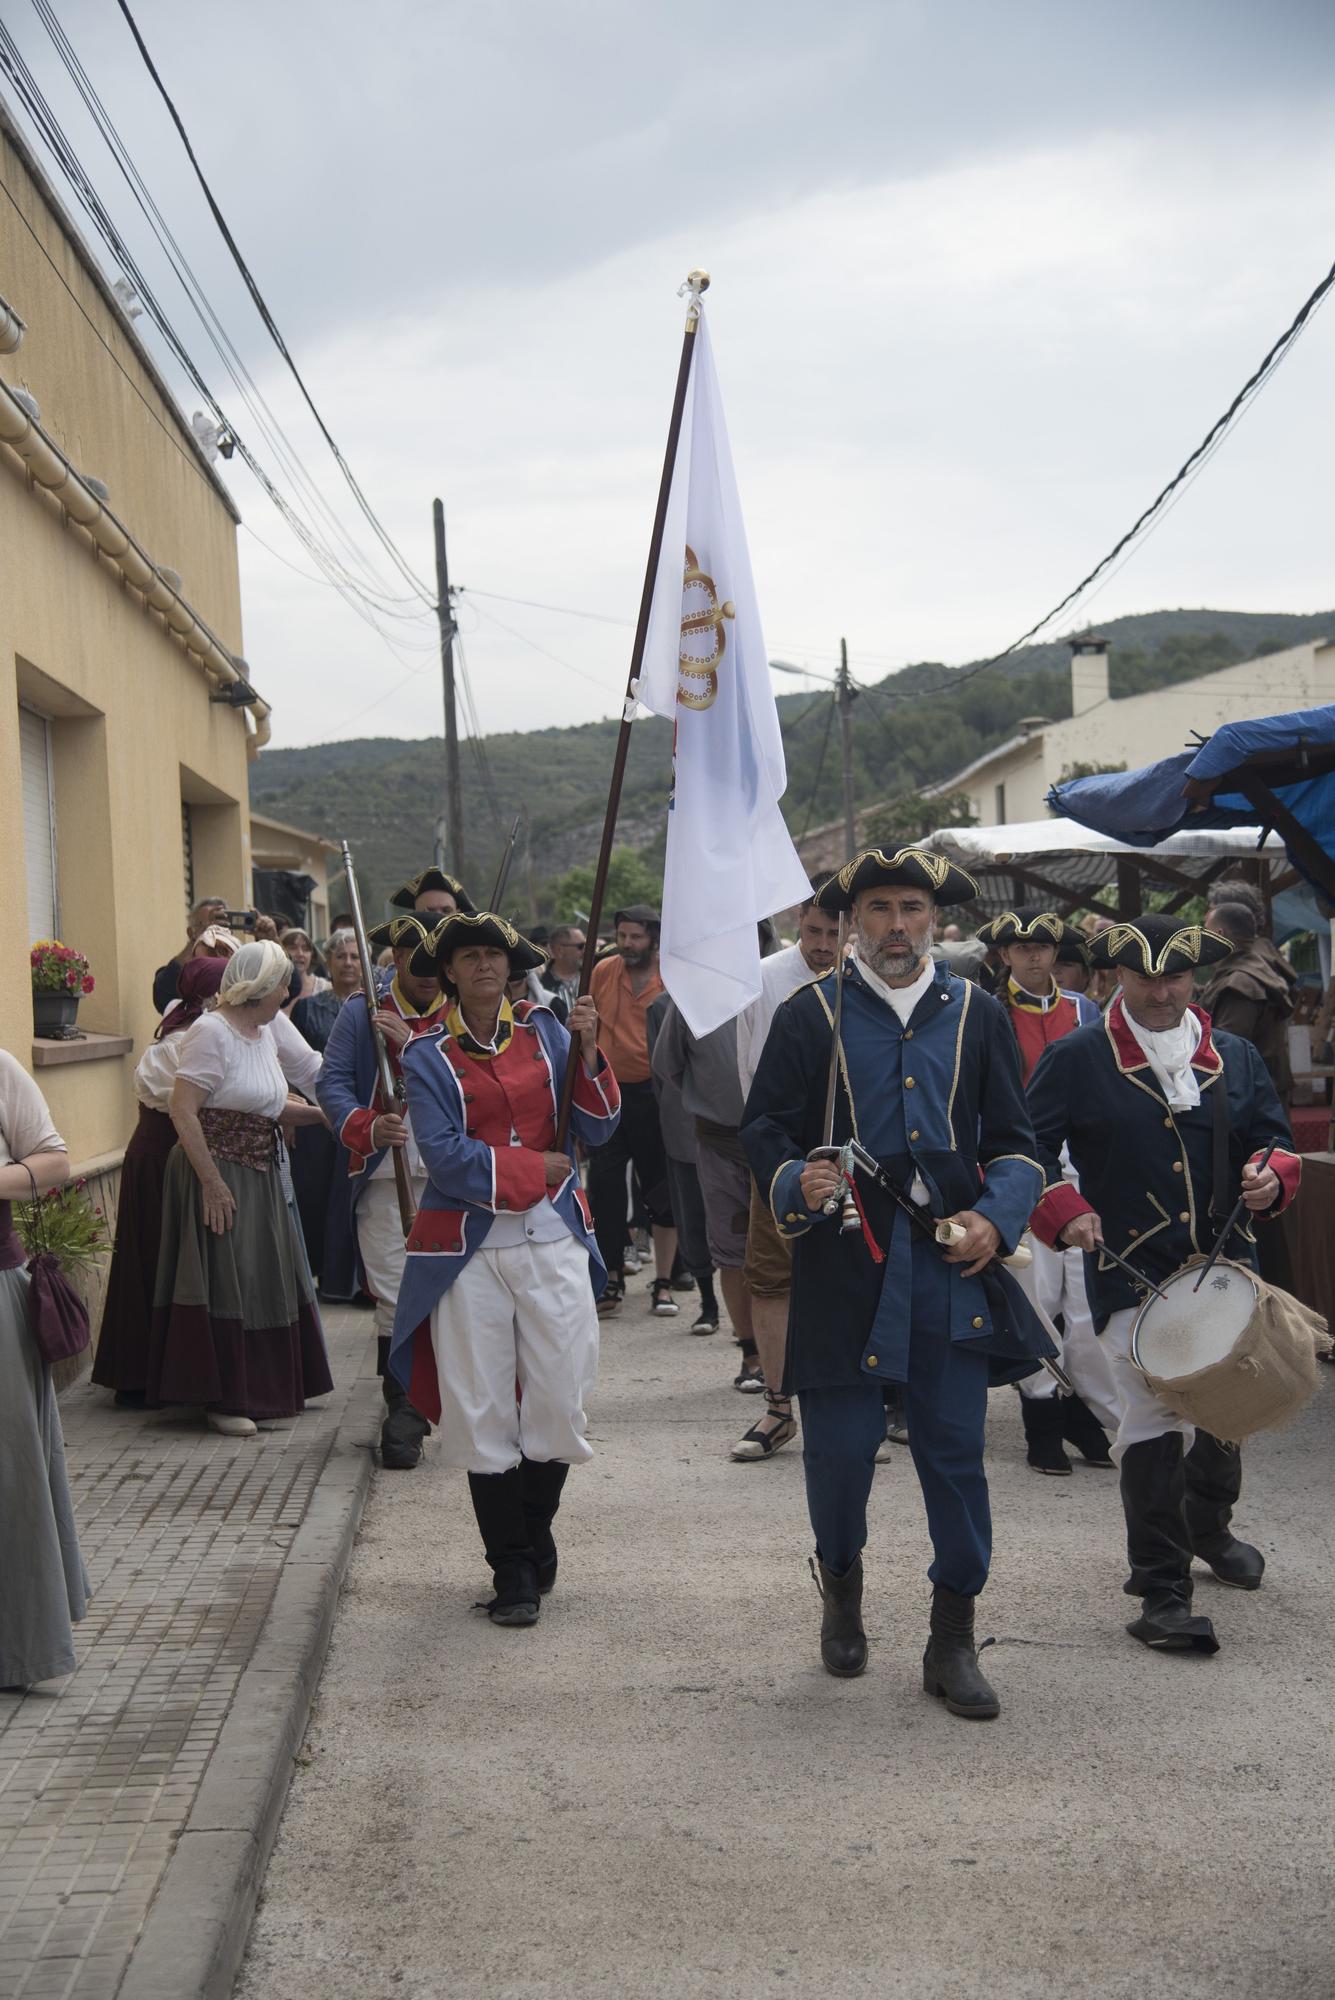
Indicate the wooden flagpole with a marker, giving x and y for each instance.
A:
(696, 284)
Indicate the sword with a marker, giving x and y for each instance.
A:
(829, 1151)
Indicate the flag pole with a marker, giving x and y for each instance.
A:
(696, 284)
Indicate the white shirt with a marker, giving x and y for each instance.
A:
(156, 1073)
(1170, 1051)
(780, 974)
(244, 1074)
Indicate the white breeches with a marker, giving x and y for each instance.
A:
(524, 1314)
(380, 1241)
(1142, 1414)
(1056, 1280)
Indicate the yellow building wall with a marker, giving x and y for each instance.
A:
(133, 730)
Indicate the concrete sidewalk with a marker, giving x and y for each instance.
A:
(657, 1791)
(136, 1797)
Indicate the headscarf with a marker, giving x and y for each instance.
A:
(197, 981)
(217, 941)
(254, 972)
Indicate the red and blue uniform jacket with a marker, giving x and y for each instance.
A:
(463, 1111)
(1148, 1171)
(347, 1089)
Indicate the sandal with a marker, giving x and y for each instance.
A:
(612, 1294)
(758, 1443)
(663, 1305)
(751, 1380)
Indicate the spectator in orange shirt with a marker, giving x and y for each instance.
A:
(623, 986)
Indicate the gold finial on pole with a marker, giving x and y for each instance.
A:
(696, 285)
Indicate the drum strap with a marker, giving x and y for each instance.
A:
(1221, 1192)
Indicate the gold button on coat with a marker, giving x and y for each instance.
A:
(977, 1322)
(1177, 1166)
(915, 1135)
(871, 1360)
(908, 1083)
(1184, 1217)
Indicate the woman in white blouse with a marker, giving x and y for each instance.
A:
(235, 1323)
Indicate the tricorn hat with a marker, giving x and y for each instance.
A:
(1074, 947)
(398, 931)
(463, 927)
(1027, 925)
(908, 867)
(431, 878)
(1156, 944)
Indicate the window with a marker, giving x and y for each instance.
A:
(999, 804)
(39, 824)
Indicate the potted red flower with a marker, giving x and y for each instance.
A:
(60, 978)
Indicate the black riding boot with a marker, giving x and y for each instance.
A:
(1214, 1481)
(543, 1480)
(1042, 1417)
(1082, 1428)
(403, 1430)
(843, 1643)
(950, 1664)
(1154, 1490)
(498, 1503)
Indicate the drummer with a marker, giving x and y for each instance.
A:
(1136, 1098)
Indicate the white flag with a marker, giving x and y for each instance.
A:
(730, 860)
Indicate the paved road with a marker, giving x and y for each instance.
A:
(658, 1791)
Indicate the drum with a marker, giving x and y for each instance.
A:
(1234, 1357)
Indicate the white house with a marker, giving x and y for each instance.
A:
(1012, 781)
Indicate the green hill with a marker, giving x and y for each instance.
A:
(384, 794)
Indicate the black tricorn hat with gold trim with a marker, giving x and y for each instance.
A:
(405, 898)
(1074, 947)
(1027, 925)
(398, 931)
(463, 927)
(906, 868)
(1156, 944)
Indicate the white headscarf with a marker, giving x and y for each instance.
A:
(1170, 1051)
(253, 972)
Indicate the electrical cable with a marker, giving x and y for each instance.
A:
(228, 354)
(820, 771)
(1205, 449)
(271, 324)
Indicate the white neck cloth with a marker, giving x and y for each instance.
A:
(1170, 1052)
(902, 998)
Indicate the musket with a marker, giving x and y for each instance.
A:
(387, 1087)
(503, 872)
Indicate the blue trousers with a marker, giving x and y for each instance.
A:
(945, 1406)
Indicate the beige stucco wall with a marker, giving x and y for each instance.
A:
(133, 730)
(1149, 726)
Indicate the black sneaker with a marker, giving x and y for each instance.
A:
(707, 1322)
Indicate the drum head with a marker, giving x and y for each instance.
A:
(1190, 1330)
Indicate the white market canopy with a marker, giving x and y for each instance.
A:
(1060, 861)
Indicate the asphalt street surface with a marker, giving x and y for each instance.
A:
(658, 1791)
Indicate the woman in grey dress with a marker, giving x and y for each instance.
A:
(43, 1583)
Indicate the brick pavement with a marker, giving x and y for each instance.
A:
(185, 1534)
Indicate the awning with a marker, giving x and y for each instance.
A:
(1278, 771)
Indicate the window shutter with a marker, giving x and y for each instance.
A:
(39, 824)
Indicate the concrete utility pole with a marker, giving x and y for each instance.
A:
(843, 701)
(454, 801)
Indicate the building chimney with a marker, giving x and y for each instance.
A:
(1089, 672)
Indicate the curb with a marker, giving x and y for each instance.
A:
(195, 1936)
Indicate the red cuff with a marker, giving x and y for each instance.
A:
(1289, 1167)
(1060, 1204)
(599, 1095)
(356, 1132)
(521, 1177)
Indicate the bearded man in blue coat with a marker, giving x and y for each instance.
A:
(929, 1083)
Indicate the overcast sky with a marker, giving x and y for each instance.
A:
(983, 276)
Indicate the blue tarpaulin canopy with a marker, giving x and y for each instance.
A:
(1278, 772)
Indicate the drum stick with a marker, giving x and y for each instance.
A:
(1230, 1225)
(1132, 1272)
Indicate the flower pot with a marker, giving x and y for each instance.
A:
(54, 1015)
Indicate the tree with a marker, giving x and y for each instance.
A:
(629, 880)
(909, 818)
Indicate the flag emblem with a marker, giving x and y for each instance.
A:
(704, 636)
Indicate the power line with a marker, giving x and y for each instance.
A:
(531, 604)
(1209, 443)
(271, 324)
(820, 771)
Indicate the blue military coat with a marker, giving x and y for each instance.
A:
(941, 1096)
(1145, 1170)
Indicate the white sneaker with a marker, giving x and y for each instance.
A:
(232, 1427)
(631, 1260)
